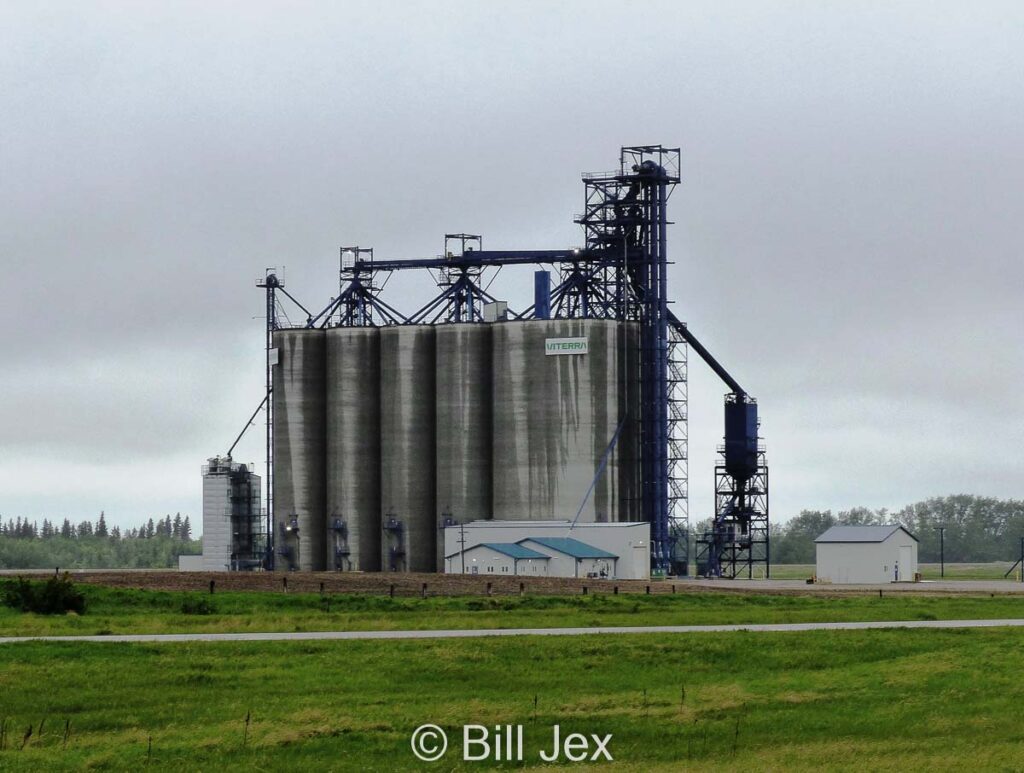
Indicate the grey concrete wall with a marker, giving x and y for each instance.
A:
(300, 429)
(408, 447)
(353, 445)
(463, 407)
(555, 416)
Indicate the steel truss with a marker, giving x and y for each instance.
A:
(738, 538)
(678, 453)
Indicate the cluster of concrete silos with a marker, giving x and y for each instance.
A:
(381, 435)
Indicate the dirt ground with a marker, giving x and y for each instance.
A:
(403, 584)
(397, 584)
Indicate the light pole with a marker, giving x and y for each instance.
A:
(942, 550)
(462, 545)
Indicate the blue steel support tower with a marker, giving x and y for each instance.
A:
(625, 223)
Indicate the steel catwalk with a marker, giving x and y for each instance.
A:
(299, 447)
(408, 448)
(353, 533)
(463, 409)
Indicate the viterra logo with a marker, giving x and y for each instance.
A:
(565, 346)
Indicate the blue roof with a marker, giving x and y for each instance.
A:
(513, 550)
(571, 547)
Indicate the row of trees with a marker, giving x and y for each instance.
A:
(156, 544)
(977, 529)
(175, 528)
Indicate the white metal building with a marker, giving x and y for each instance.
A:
(231, 518)
(572, 558)
(549, 548)
(499, 558)
(866, 554)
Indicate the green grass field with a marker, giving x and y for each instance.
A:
(118, 610)
(987, 571)
(845, 700)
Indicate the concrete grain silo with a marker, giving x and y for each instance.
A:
(408, 448)
(353, 536)
(561, 390)
(463, 410)
(300, 429)
(476, 407)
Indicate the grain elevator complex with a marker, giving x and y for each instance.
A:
(391, 434)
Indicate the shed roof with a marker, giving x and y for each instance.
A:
(513, 550)
(861, 533)
(570, 547)
(510, 549)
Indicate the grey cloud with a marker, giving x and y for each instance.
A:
(847, 231)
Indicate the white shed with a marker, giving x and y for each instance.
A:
(553, 548)
(866, 554)
(572, 558)
(498, 558)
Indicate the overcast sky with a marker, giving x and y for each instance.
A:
(847, 237)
